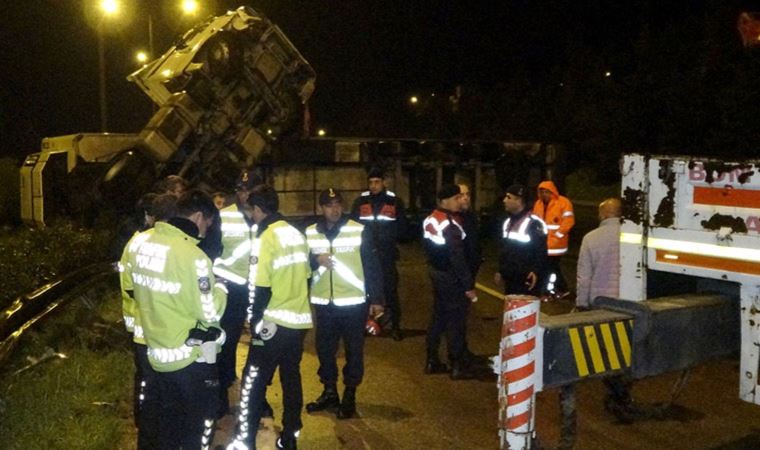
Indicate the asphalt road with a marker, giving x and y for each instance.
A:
(401, 408)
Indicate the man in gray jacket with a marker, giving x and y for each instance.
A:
(598, 275)
(599, 259)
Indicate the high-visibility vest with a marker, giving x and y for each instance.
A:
(175, 291)
(238, 240)
(128, 304)
(344, 284)
(283, 266)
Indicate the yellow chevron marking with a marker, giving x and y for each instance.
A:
(625, 345)
(593, 347)
(580, 358)
(609, 344)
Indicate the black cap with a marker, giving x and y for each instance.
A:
(375, 172)
(329, 195)
(448, 190)
(247, 180)
(517, 190)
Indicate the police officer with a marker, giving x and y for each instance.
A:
(179, 306)
(384, 215)
(238, 232)
(345, 272)
(453, 284)
(522, 256)
(153, 208)
(280, 317)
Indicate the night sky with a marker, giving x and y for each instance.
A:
(369, 56)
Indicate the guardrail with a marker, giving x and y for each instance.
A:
(28, 309)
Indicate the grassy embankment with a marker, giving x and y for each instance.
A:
(81, 401)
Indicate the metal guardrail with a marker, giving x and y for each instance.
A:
(29, 308)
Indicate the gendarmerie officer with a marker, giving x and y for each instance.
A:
(522, 255)
(453, 284)
(346, 272)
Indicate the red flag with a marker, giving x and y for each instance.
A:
(749, 28)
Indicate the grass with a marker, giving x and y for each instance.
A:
(30, 258)
(82, 401)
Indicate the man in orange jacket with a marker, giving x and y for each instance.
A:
(557, 211)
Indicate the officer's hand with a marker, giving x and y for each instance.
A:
(531, 280)
(325, 260)
(376, 310)
(497, 279)
(472, 295)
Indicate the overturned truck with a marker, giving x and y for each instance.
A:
(225, 91)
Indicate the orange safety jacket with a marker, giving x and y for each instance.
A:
(559, 218)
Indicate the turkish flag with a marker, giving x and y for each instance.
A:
(749, 28)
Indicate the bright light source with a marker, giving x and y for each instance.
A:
(413, 99)
(321, 132)
(166, 73)
(189, 6)
(109, 7)
(269, 131)
(141, 57)
(607, 74)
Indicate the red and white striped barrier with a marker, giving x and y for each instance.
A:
(517, 372)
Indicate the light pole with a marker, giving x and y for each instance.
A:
(108, 8)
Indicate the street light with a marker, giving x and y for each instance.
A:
(109, 8)
(141, 57)
(413, 100)
(189, 6)
(321, 132)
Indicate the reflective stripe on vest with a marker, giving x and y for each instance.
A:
(288, 316)
(433, 229)
(521, 235)
(345, 285)
(233, 264)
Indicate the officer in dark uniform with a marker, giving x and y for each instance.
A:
(384, 215)
(522, 257)
(453, 284)
(346, 272)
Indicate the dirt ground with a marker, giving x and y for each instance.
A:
(401, 408)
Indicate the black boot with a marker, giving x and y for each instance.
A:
(434, 365)
(328, 400)
(397, 334)
(287, 441)
(348, 405)
(461, 371)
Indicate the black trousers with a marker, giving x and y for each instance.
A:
(450, 308)
(560, 284)
(147, 406)
(189, 401)
(390, 290)
(333, 324)
(232, 323)
(283, 350)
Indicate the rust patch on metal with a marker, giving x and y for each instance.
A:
(665, 216)
(718, 221)
(633, 205)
